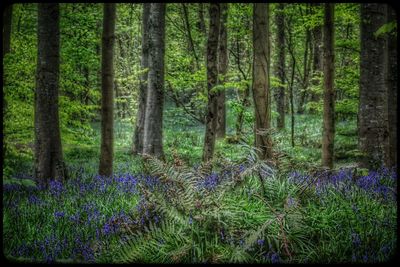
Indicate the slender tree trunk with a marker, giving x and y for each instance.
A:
(260, 79)
(280, 65)
(153, 125)
(329, 91)
(212, 81)
(391, 76)
(223, 69)
(306, 74)
(245, 103)
(144, 62)
(291, 103)
(373, 117)
(48, 150)
(316, 66)
(201, 24)
(245, 99)
(189, 34)
(107, 83)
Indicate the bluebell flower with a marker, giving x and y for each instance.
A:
(260, 242)
(356, 239)
(275, 258)
(290, 202)
(59, 214)
(34, 200)
(56, 188)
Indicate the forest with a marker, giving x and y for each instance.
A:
(199, 133)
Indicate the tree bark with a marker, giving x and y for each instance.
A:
(280, 66)
(245, 98)
(212, 81)
(107, 83)
(261, 80)
(223, 69)
(329, 91)
(153, 125)
(316, 65)
(373, 113)
(189, 34)
(201, 24)
(144, 62)
(306, 72)
(48, 150)
(391, 76)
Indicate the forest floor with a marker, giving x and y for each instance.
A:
(179, 211)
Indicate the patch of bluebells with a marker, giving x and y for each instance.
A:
(47, 250)
(56, 188)
(299, 178)
(82, 251)
(272, 256)
(59, 214)
(34, 200)
(380, 183)
(209, 183)
(127, 183)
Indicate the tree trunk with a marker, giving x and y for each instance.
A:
(306, 72)
(244, 104)
(223, 69)
(373, 114)
(245, 99)
(329, 91)
(280, 66)
(316, 65)
(48, 150)
(201, 24)
(212, 81)
(144, 62)
(189, 34)
(107, 83)
(292, 122)
(153, 125)
(392, 74)
(260, 79)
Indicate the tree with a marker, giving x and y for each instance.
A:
(153, 135)
(144, 64)
(261, 79)
(329, 91)
(189, 34)
(222, 71)
(373, 114)
(212, 81)
(316, 63)
(201, 25)
(107, 83)
(48, 150)
(391, 79)
(280, 65)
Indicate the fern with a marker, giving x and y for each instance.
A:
(195, 216)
